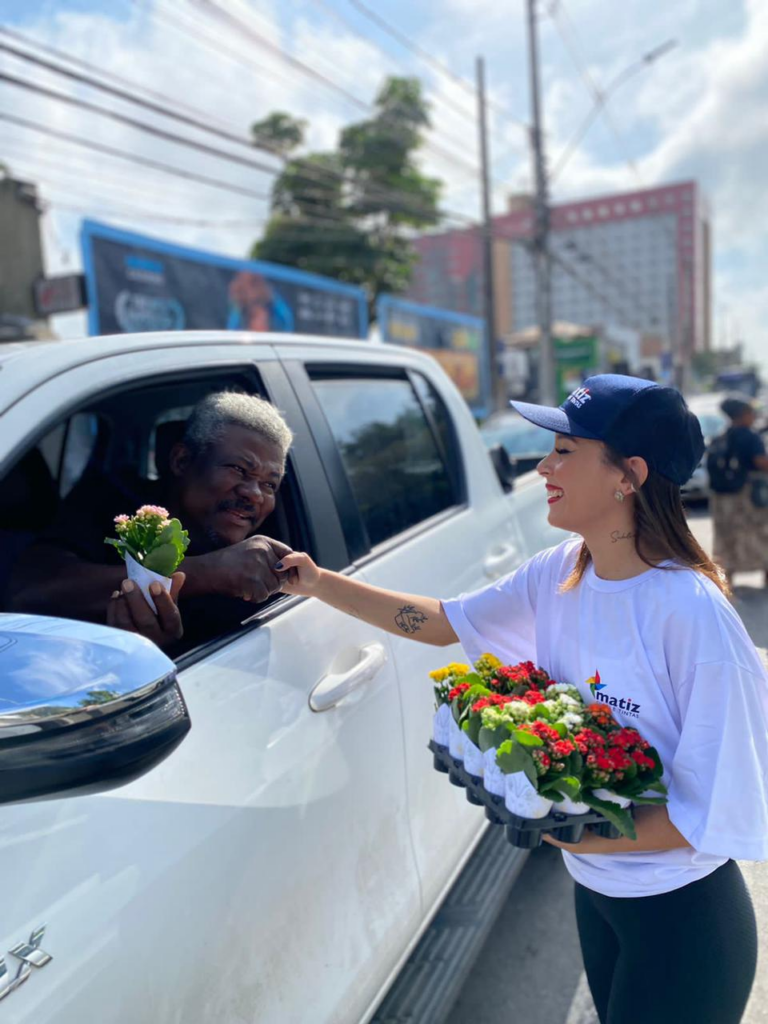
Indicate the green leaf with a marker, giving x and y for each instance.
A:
(568, 785)
(527, 739)
(472, 726)
(511, 758)
(618, 816)
(162, 559)
(659, 801)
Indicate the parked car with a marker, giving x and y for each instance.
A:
(273, 862)
(713, 422)
(525, 443)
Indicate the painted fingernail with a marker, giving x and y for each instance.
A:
(115, 594)
(127, 586)
(279, 565)
(155, 588)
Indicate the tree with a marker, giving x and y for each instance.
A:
(279, 133)
(350, 214)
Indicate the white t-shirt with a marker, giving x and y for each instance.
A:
(676, 663)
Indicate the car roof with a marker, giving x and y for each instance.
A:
(26, 365)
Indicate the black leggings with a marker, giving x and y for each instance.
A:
(683, 957)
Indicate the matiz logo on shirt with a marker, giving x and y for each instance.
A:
(580, 397)
(623, 704)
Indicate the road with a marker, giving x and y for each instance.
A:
(532, 961)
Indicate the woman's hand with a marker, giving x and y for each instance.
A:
(298, 574)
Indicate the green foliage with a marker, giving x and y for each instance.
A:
(279, 133)
(348, 214)
(621, 818)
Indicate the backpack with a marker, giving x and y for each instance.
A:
(727, 473)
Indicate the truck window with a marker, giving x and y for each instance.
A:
(393, 459)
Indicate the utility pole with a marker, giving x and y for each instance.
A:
(498, 383)
(543, 265)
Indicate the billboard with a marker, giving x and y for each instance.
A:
(575, 359)
(455, 340)
(135, 283)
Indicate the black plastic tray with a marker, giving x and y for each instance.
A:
(525, 833)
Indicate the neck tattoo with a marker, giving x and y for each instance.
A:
(617, 535)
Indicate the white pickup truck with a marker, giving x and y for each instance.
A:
(285, 859)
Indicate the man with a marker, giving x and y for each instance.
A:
(222, 483)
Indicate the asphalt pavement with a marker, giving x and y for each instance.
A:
(530, 970)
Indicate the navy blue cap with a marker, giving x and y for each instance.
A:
(633, 416)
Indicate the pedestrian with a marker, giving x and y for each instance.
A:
(739, 497)
(666, 923)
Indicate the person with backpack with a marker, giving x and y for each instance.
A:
(739, 499)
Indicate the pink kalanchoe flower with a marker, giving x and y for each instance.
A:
(152, 510)
(122, 520)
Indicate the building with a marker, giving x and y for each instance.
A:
(637, 261)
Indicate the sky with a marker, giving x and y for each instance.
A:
(700, 111)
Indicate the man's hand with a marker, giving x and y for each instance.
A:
(244, 570)
(128, 609)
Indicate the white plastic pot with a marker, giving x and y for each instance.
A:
(441, 724)
(523, 799)
(143, 577)
(606, 794)
(568, 806)
(473, 757)
(493, 776)
(455, 740)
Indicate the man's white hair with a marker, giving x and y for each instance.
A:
(214, 413)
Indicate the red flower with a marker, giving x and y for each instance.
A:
(458, 691)
(534, 697)
(642, 760)
(484, 702)
(562, 748)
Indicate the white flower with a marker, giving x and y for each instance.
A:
(572, 721)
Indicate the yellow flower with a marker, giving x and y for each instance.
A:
(439, 674)
(457, 669)
(487, 664)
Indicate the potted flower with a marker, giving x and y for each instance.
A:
(445, 680)
(152, 545)
(620, 768)
(542, 765)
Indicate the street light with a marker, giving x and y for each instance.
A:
(603, 95)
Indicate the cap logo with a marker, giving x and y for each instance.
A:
(580, 397)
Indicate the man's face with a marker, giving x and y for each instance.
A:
(228, 492)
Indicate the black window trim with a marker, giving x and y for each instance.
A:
(272, 375)
(302, 372)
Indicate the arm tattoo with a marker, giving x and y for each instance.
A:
(409, 620)
(617, 535)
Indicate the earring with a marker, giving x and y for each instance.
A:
(619, 496)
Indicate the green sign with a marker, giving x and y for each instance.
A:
(575, 359)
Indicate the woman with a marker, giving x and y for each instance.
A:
(665, 922)
(741, 527)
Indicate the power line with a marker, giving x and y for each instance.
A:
(313, 172)
(132, 157)
(228, 18)
(395, 198)
(430, 59)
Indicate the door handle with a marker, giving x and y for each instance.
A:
(503, 560)
(335, 686)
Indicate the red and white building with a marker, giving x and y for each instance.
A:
(636, 260)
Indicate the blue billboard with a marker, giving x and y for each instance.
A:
(456, 340)
(135, 283)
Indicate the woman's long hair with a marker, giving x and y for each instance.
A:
(661, 529)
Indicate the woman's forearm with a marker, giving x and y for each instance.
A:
(654, 832)
(419, 618)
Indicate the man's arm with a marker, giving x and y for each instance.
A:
(49, 580)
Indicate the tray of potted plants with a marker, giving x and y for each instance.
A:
(536, 757)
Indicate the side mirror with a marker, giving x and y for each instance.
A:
(82, 707)
(506, 468)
